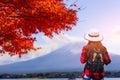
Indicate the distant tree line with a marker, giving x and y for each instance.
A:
(55, 75)
(112, 74)
(43, 75)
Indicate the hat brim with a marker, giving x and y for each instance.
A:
(99, 38)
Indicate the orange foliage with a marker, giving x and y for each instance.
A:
(19, 19)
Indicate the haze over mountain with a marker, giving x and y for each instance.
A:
(64, 59)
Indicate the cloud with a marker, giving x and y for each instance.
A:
(57, 42)
(113, 42)
(50, 45)
(115, 38)
(116, 31)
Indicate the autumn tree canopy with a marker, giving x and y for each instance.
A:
(19, 19)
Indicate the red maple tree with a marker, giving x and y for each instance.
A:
(19, 19)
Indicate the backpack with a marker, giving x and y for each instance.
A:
(95, 61)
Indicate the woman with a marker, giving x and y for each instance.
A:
(94, 45)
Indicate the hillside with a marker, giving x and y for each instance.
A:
(65, 59)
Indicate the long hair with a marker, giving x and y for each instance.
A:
(97, 45)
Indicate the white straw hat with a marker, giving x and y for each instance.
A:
(93, 35)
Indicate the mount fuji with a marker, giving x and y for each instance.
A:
(64, 59)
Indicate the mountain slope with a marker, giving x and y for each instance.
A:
(61, 60)
(115, 63)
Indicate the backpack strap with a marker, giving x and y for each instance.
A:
(99, 53)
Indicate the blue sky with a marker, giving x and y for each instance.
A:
(103, 15)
